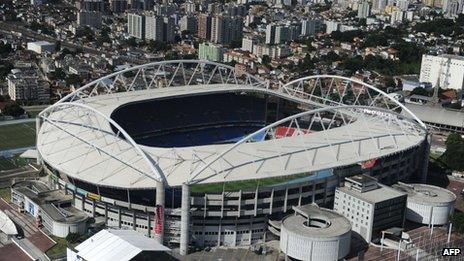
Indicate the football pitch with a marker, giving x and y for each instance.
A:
(17, 135)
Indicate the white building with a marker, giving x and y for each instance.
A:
(154, 28)
(396, 17)
(248, 43)
(331, 26)
(378, 6)
(41, 47)
(369, 206)
(270, 33)
(121, 245)
(363, 9)
(136, 25)
(446, 71)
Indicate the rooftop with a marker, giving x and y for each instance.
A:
(178, 164)
(112, 244)
(373, 195)
(437, 114)
(426, 194)
(335, 224)
(54, 202)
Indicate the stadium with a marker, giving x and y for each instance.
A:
(196, 153)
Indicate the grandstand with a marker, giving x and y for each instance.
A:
(192, 120)
(212, 156)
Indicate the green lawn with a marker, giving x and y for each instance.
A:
(17, 135)
(59, 249)
(243, 184)
(5, 193)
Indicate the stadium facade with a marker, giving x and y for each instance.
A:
(197, 153)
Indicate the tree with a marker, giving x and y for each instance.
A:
(454, 138)
(458, 222)
(13, 109)
(73, 79)
(5, 49)
(419, 91)
(454, 152)
(265, 60)
(72, 237)
(5, 69)
(236, 44)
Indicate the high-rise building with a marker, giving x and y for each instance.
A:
(226, 29)
(136, 25)
(154, 28)
(396, 17)
(248, 43)
(270, 33)
(92, 5)
(402, 5)
(118, 6)
(159, 28)
(211, 52)
(332, 26)
(308, 27)
(363, 9)
(282, 34)
(233, 9)
(168, 29)
(204, 26)
(446, 71)
(378, 6)
(28, 87)
(90, 19)
(188, 23)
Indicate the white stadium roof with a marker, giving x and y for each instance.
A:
(76, 138)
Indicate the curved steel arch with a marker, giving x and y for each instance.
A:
(249, 79)
(300, 85)
(158, 175)
(192, 178)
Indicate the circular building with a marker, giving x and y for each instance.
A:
(197, 153)
(428, 204)
(314, 233)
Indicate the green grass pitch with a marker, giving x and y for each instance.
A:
(17, 135)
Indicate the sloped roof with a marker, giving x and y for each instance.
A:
(112, 244)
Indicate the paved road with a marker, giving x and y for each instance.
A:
(3, 123)
(30, 248)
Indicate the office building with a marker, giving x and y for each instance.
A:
(118, 6)
(446, 71)
(154, 28)
(363, 9)
(136, 25)
(226, 29)
(188, 23)
(211, 52)
(41, 47)
(90, 19)
(204, 26)
(369, 206)
(270, 33)
(308, 27)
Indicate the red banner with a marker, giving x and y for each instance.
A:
(282, 131)
(368, 164)
(159, 219)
